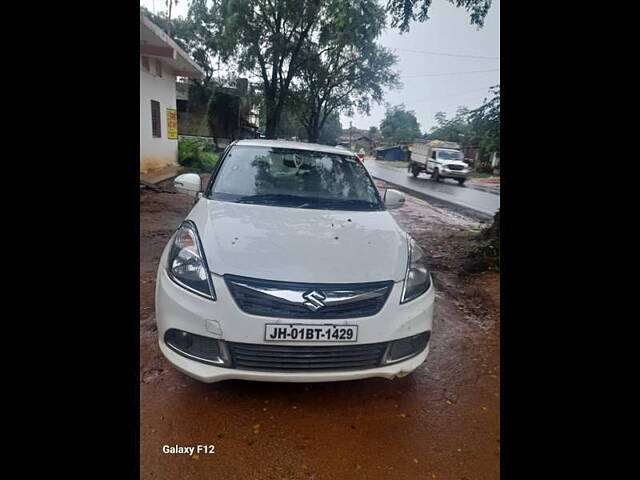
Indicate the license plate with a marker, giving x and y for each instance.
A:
(310, 333)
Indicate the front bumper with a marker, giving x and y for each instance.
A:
(222, 319)
(453, 174)
(210, 374)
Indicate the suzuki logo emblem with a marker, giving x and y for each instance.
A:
(314, 300)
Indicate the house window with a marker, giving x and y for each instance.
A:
(155, 119)
(145, 63)
(158, 68)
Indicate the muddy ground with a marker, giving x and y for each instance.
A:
(441, 422)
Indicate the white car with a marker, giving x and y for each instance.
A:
(289, 268)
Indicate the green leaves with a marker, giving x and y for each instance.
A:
(399, 125)
(484, 122)
(196, 154)
(403, 12)
(344, 69)
(479, 127)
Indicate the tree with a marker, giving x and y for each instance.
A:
(441, 118)
(344, 69)
(332, 130)
(399, 125)
(484, 122)
(403, 12)
(267, 37)
(169, 4)
(454, 130)
(374, 133)
(479, 127)
(290, 125)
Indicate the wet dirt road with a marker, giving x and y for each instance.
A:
(441, 422)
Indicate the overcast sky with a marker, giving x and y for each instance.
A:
(447, 31)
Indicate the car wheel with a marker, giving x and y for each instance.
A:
(415, 170)
(435, 175)
(461, 181)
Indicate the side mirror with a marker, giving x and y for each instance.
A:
(188, 183)
(393, 198)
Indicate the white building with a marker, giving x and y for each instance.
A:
(161, 61)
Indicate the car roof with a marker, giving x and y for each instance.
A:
(314, 147)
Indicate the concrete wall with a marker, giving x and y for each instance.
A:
(193, 123)
(160, 152)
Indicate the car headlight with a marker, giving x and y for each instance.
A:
(417, 280)
(186, 263)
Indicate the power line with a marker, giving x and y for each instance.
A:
(486, 89)
(447, 54)
(450, 73)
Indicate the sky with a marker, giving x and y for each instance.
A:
(447, 31)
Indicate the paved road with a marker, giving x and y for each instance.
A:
(448, 192)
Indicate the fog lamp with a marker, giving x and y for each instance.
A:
(407, 347)
(196, 347)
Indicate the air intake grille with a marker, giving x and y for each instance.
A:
(297, 358)
(455, 167)
(305, 300)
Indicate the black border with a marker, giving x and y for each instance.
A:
(76, 129)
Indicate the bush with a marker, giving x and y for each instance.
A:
(196, 154)
(483, 250)
(188, 151)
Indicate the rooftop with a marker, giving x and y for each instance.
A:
(388, 147)
(154, 42)
(314, 147)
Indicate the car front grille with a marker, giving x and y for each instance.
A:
(307, 301)
(298, 358)
(455, 167)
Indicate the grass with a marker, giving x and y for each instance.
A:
(207, 161)
(483, 249)
(397, 164)
(480, 175)
(196, 155)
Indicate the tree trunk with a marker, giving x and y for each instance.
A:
(273, 111)
(169, 18)
(313, 129)
(313, 135)
(272, 125)
(313, 132)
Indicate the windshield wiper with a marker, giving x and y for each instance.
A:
(274, 198)
(297, 201)
(346, 204)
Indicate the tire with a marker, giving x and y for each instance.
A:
(435, 176)
(461, 181)
(415, 170)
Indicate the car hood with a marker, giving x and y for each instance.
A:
(300, 245)
(455, 162)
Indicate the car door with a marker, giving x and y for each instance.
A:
(432, 161)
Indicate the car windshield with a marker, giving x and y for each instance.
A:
(449, 155)
(294, 178)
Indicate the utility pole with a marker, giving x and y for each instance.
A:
(350, 129)
(169, 19)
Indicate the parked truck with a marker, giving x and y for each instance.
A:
(438, 158)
